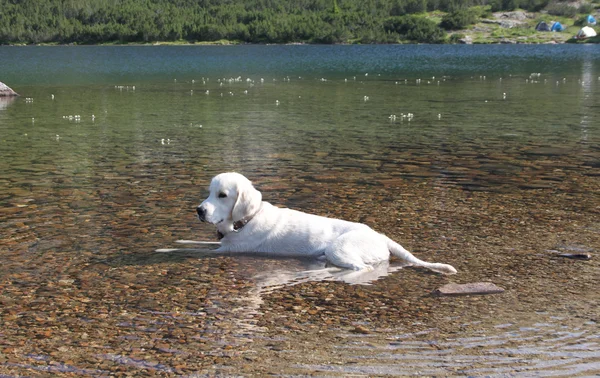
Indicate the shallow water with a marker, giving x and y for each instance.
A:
(548, 350)
(109, 149)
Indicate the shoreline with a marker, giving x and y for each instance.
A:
(594, 40)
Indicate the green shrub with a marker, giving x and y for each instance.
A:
(415, 28)
(504, 5)
(496, 5)
(485, 12)
(459, 19)
(534, 5)
(561, 9)
(455, 38)
(511, 5)
(586, 8)
(408, 7)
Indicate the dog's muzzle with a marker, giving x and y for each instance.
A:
(201, 213)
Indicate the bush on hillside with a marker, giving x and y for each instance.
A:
(456, 38)
(511, 5)
(534, 5)
(485, 12)
(415, 28)
(458, 20)
(408, 7)
(503, 5)
(562, 9)
(586, 8)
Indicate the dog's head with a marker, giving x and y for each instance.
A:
(231, 199)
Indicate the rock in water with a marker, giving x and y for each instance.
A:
(475, 288)
(5, 90)
(360, 329)
(576, 256)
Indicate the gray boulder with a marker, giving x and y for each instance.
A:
(467, 40)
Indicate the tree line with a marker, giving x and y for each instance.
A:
(245, 21)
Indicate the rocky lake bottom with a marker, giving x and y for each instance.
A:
(83, 291)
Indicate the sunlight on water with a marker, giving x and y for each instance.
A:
(511, 352)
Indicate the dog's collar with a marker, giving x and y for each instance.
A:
(238, 225)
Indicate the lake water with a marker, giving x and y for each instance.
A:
(484, 157)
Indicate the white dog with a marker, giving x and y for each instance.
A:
(245, 223)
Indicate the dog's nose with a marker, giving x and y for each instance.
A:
(201, 213)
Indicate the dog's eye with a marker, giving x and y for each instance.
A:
(222, 195)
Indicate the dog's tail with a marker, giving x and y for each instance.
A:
(399, 251)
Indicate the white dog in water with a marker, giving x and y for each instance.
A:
(245, 223)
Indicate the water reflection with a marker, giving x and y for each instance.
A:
(320, 130)
(5, 101)
(588, 83)
(271, 272)
(301, 271)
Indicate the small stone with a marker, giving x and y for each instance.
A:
(361, 329)
(475, 288)
(66, 282)
(576, 256)
(278, 347)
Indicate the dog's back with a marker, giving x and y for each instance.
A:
(289, 232)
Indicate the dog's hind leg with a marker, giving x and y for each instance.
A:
(354, 264)
(399, 251)
(357, 250)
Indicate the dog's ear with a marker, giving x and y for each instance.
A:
(247, 203)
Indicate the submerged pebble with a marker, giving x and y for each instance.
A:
(475, 288)
(576, 256)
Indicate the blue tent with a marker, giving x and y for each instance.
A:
(557, 27)
(590, 20)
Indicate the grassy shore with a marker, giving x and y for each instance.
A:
(519, 27)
